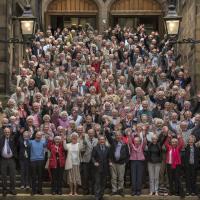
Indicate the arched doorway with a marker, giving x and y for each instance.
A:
(62, 13)
(134, 12)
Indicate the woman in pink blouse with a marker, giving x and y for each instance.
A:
(137, 158)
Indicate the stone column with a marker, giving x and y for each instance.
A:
(103, 18)
(197, 48)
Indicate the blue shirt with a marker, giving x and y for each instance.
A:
(37, 150)
(118, 150)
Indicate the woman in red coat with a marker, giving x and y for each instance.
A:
(173, 160)
(56, 163)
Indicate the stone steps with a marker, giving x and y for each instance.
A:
(89, 197)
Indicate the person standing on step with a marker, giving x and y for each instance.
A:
(37, 157)
(89, 142)
(8, 155)
(173, 159)
(24, 159)
(100, 159)
(119, 156)
(56, 163)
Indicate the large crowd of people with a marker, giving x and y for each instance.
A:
(95, 110)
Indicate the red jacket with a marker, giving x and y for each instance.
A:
(176, 157)
(95, 84)
(96, 66)
(61, 152)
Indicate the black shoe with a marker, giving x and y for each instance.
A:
(59, 193)
(40, 193)
(114, 193)
(134, 193)
(193, 194)
(138, 193)
(33, 193)
(86, 192)
(4, 193)
(121, 192)
(13, 192)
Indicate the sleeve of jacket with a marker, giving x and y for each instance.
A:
(109, 138)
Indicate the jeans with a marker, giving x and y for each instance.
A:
(137, 167)
(154, 170)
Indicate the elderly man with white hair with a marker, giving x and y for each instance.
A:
(37, 157)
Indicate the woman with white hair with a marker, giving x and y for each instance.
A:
(72, 163)
(154, 157)
(56, 163)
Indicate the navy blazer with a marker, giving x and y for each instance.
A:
(102, 157)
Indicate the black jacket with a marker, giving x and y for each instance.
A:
(154, 153)
(23, 148)
(124, 153)
(12, 144)
(102, 157)
(196, 156)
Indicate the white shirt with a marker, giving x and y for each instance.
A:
(5, 152)
(75, 154)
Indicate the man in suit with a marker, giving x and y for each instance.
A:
(8, 155)
(89, 142)
(100, 159)
(119, 155)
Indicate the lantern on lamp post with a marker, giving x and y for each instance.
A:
(172, 21)
(27, 23)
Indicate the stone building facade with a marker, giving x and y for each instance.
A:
(103, 13)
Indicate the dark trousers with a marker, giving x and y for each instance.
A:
(175, 180)
(137, 168)
(57, 176)
(191, 175)
(100, 184)
(24, 170)
(8, 165)
(88, 178)
(36, 175)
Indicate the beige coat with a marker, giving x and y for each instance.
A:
(67, 147)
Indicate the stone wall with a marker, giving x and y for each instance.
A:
(5, 49)
(190, 28)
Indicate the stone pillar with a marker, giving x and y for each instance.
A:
(197, 47)
(103, 18)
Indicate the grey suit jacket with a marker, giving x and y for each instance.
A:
(87, 148)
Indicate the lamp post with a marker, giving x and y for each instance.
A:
(27, 26)
(172, 25)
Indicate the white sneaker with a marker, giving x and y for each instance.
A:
(151, 193)
(156, 194)
(22, 187)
